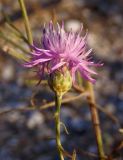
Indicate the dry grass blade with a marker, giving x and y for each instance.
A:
(116, 151)
(16, 32)
(110, 115)
(3, 36)
(66, 100)
(65, 128)
(45, 106)
(15, 54)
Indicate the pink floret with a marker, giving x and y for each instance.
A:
(61, 48)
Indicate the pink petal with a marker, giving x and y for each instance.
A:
(87, 69)
(57, 65)
(36, 62)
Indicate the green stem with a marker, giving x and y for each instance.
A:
(96, 122)
(26, 21)
(57, 123)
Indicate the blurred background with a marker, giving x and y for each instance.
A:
(28, 135)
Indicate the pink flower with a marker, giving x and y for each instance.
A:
(61, 48)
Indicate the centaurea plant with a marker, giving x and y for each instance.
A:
(61, 56)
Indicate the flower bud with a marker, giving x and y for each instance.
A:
(60, 81)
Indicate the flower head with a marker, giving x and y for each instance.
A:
(62, 49)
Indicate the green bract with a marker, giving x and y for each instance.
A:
(60, 82)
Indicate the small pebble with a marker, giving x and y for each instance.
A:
(74, 24)
(35, 119)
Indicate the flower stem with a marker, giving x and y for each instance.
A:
(57, 125)
(26, 21)
(96, 122)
